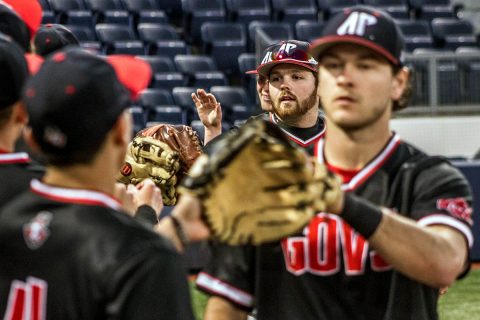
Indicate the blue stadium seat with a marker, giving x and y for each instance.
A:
(197, 126)
(417, 34)
(48, 17)
(161, 39)
(150, 98)
(138, 117)
(87, 37)
(293, 10)
(189, 64)
(276, 31)
(118, 39)
(45, 5)
(431, 9)
(453, 33)
(183, 98)
(240, 113)
(330, 7)
(168, 80)
(208, 79)
(224, 41)
(308, 30)
(246, 11)
(145, 11)
(109, 11)
(396, 8)
(171, 114)
(160, 63)
(230, 96)
(71, 12)
(247, 62)
(196, 12)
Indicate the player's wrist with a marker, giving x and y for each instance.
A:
(361, 215)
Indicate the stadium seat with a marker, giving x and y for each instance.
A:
(246, 11)
(48, 17)
(168, 80)
(45, 5)
(293, 10)
(224, 41)
(150, 98)
(308, 30)
(161, 39)
(71, 12)
(87, 37)
(138, 117)
(208, 79)
(396, 8)
(431, 9)
(145, 11)
(230, 96)
(118, 39)
(183, 98)
(197, 125)
(275, 31)
(330, 7)
(453, 33)
(109, 11)
(196, 12)
(247, 62)
(189, 64)
(160, 63)
(171, 114)
(417, 34)
(240, 113)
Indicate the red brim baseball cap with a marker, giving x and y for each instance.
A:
(76, 97)
(365, 26)
(30, 11)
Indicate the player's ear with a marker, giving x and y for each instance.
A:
(30, 140)
(400, 81)
(20, 114)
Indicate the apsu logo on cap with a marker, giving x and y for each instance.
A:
(36, 231)
(356, 24)
(457, 207)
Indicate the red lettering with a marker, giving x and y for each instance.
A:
(377, 262)
(354, 250)
(27, 301)
(323, 249)
(294, 250)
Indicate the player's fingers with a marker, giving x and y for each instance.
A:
(196, 100)
(211, 99)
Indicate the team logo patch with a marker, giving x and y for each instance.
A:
(126, 169)
(36, 231)
(457, 207)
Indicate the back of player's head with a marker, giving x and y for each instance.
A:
(52, 37)
(286, 52)
(13, 71)
(20, 20)
(76, 97)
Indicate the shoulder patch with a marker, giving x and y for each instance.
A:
(36, 231)
(457, 207)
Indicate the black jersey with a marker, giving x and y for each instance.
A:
(16, 171)
(328, 271)
(71, 254)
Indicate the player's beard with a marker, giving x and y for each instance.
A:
(294, 109)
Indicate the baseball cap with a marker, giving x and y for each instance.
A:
(51, 37)
(366, 26)
(12, 25)
(30, 11)
(289, 52)
(14, 71)
(76, 97)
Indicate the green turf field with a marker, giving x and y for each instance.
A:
(461, 302)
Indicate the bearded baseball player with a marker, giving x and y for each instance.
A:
(291, 103)
(402, 226)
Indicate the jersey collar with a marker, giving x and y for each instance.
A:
(19, 157)
(77, 196)
(370, 168)
(295, 138)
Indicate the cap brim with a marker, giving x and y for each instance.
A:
(320, 45)
(265, 69)
(134, 73)
(252, 72)
(30, 11)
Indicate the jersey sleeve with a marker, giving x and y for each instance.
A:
(150, 285)
(443, 196)
(230, 274)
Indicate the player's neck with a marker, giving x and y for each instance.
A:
(354, 149)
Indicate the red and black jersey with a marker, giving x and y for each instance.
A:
(16, 171)
(328, 271)
(71, 254)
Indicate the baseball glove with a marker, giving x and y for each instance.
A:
(163, 153)
(257, 186)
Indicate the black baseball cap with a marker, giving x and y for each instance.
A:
(14, 71)
(76, 97)
(366, 26)
(287, 52)
(52, 37)
(20, 19)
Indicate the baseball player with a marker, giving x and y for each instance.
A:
(400, 231)
(302, 127)
(16, 168)
(68, 251)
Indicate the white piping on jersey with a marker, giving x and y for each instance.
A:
(19, 157)
(74, 195)
(274, 119)
(449, 221)
(370, 169)
(223, 289)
